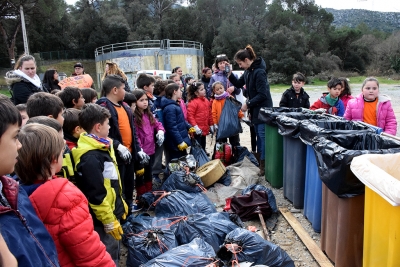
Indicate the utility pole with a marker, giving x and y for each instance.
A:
(26, 47)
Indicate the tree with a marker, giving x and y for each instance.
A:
(10, 21)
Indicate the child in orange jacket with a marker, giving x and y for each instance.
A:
(217, 105)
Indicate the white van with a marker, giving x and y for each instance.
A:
(163, 73)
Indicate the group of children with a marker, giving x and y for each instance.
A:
(370, 106)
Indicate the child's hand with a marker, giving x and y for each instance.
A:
(140, 172)
(160, 137)
(192, 130)
(144, 157)
(182, 146)
(124, 153)
(230, 89)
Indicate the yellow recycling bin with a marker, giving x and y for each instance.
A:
(381, 176)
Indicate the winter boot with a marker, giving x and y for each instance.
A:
(262, 168)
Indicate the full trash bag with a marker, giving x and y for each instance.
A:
(309, 129)
(183, 163)
(181, 180)
(180, 203)
(258, 187)
(229, 123)
(141, 222)
(226, 179)
(197, 253)
(334, 155)
(268, 115)
(241, 152)
(198, 153)
(212, 228)
(251, 247)
(289, 123)
(149, 244)
(249, 206)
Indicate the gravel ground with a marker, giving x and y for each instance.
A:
(281, 233)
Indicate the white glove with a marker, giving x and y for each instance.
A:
(215, 127)
(124, 153)
(144, 157)
(198, 130)
(212, 129)
(160, 137)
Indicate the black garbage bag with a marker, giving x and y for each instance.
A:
(251, 247)
(334, 155)
(180, 203)
(149, 244)
(241, 152)
(258, 187)
(249, 206)
(226, 179)
(136, 224)
(268, 115)
(212, 228)
(310, 129)
(229, 123)
(181, 180)
(195, 254)
(289, 123)
(147, 199)
(198, 153)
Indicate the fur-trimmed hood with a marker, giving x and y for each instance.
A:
(14, 76)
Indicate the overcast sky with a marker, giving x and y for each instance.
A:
(376, 5)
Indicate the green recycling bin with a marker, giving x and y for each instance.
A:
(274, 144)
(273, 156)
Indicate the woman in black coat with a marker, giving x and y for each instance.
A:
(50, 80)
(259, 95)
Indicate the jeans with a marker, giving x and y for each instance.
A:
(260, 131)
(112, 245)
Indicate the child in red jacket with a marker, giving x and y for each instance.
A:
(199, 112)
(59, 204)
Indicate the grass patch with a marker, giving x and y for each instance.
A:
(5, 92)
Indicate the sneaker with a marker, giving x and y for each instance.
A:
(135, 208)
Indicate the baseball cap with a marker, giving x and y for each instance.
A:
(78, 65)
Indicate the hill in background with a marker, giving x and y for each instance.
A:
(383, 21)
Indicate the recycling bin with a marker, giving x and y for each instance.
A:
(310, 129)
(381, 177)
(274, 144)
(342, 227)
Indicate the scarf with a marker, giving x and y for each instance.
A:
(224, 95)
(35, 80)
(331, 101)
(102, 140)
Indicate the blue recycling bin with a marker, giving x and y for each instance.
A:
(313, 191)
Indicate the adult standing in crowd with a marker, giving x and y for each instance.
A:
(78, 71)
(23, 80)
(178, 70)
(205, 79)
(220, 75)
(50, 80)
(112, 68)
(259, 95)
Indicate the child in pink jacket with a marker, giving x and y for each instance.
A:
(372, 108)
(146, 126)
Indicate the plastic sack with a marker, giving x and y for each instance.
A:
(249, 206)
(180, 203)
(241, 152)
(335, 153)
(180, 180)
(149, 244)
(136, 224)
(251, 247)
(195, 254)
(198, 153)
(310, 129)
(212, 228)
(289, 123)
(183, 163)
(226, 179)
(368, 167)
(258, 187)
(268, 115)
(229, 123)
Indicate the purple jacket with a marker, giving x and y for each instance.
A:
(146, 134)
(384, 115)
(220, 76)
